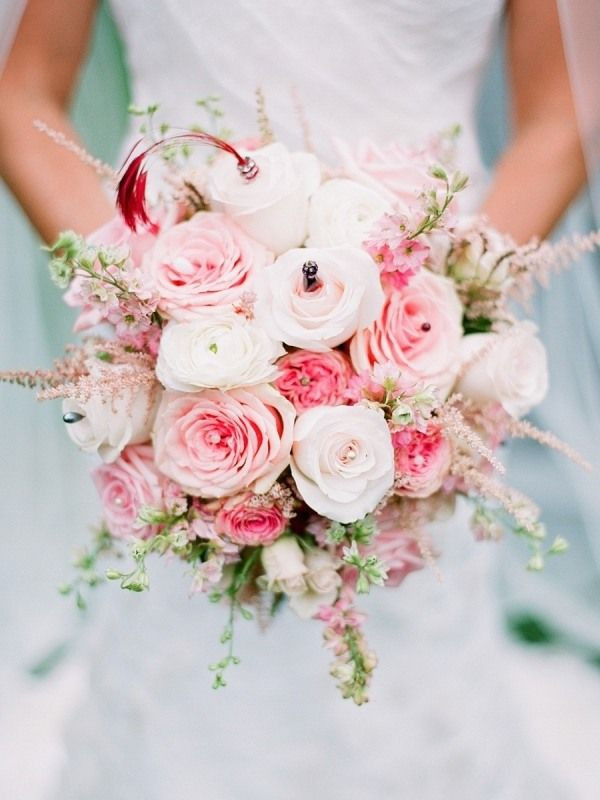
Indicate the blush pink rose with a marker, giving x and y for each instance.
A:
(397, 547)
(116, 233)
(246, 524)
(127, 484)
(393, 169)
(216, 444)
(400, 552)
(422, 460)
(204, 262)
(419, 330)
(310, 379)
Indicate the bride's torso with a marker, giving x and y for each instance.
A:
(384, 69)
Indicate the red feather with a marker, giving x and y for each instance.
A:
(131, 192)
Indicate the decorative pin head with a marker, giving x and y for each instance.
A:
(248, 168)
(72, 416)
(311, 279)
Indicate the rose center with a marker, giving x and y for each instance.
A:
(348, 453)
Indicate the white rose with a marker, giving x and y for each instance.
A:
(108, 425)
(218, 349)
(322, 584)
(477, 256)
(513, 371)
(342, 212)
(283, 562)
(342, 460)
(273, 207)
(347, 298)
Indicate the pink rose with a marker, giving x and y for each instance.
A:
(206, 261)
(400, 552)
(126, 485)
(314, 379)
(422, 460)
(419, 329)
(116, 233)
(248, 524)
(216, 444)
(394, 170)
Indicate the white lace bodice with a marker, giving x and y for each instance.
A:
(384, 69)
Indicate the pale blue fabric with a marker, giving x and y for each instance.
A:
(567, 313)
(35, 325)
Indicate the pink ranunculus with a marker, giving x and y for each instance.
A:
(310, 379)
(216, 444)
(205, 262)
(422, 460)
(401, 173)
(419, 329)
(127, 484)
(248, 524)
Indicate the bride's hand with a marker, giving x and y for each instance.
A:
(56, 190)
(543, 167)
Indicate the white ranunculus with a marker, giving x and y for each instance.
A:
(342, 460)
(322, 584)
(217, 350)
(513, 371)
(283, 562)
(109, 425)
(342, 212)
(478, 255)
(348, 298)
(273, 207)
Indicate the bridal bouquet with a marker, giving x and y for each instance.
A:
(291, 368)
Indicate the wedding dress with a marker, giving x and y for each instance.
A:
(457, 711)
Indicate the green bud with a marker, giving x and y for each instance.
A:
(439, 172)
(61, 272)
(459, 181)
(402, 414)
(559, 545)
(536, 563)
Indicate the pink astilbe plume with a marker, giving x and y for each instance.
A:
(105, 370)
(537, 261)
(131, 192)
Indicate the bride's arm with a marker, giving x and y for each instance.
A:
(55, 189)
(543, 167)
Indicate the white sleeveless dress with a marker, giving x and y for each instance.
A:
(457, 711)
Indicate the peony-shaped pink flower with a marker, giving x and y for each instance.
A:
(216, 444)
(422, 460)
(310, 379)
(206, 261)
(419, 329)
(248, 524)
(130, 482)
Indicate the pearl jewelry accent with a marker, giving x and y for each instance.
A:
(72, 416)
